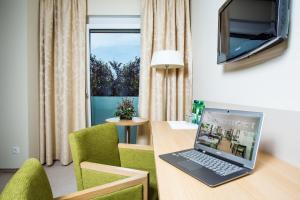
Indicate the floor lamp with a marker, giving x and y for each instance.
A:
(167, 59)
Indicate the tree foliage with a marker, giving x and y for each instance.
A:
(113, 78)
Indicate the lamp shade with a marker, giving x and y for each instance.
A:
(167, 58)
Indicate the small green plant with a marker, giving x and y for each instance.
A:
(125, 109)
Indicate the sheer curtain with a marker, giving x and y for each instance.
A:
(62, 76)
(165, 25)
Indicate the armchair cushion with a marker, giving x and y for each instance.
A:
(132, 193)
(92, 178)
(141, 160)
(29, 183)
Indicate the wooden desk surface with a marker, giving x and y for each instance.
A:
(272, 178)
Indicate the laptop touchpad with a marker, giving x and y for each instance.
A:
(189, 165)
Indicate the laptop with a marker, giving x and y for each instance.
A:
(225, 146)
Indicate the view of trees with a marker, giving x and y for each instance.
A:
(113, 78)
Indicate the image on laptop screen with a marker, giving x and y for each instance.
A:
(230, 133)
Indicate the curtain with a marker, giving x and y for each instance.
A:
(62, 76)
(165, 26)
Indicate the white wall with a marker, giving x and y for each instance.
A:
(273, 84)
(17, 60)
(113, 7)
(271, 87)
(13, 83)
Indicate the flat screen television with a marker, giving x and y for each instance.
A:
(247, 27)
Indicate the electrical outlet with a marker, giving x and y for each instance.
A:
(15, 150)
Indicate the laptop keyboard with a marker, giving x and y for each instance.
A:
(220, 167)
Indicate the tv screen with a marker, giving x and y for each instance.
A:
(249, 26)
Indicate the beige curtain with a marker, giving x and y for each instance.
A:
(165, 25)
(62, 76)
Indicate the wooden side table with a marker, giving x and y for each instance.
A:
(136, 121)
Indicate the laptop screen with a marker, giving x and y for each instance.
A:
(231, 132)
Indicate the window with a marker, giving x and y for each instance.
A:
(113, 67)
(114, 62)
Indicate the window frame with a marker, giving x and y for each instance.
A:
(109, 24)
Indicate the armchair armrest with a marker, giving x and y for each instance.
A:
(113, 169)
(135, 177)
(135, 146)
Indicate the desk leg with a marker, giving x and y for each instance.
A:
(127, 134)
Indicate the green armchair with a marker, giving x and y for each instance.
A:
(31, 183)
(99, 144)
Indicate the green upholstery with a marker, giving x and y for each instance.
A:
(142, 160)
(93, 178)
(29, 183)
(93, 144)
(99, 144)
(132, 193)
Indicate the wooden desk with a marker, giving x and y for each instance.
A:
(272, 178)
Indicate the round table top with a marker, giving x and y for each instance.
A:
(136, 121)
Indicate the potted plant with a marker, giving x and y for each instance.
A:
(125, 109)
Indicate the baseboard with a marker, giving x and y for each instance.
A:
(8, 170)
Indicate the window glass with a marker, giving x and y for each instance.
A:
(115, 63)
